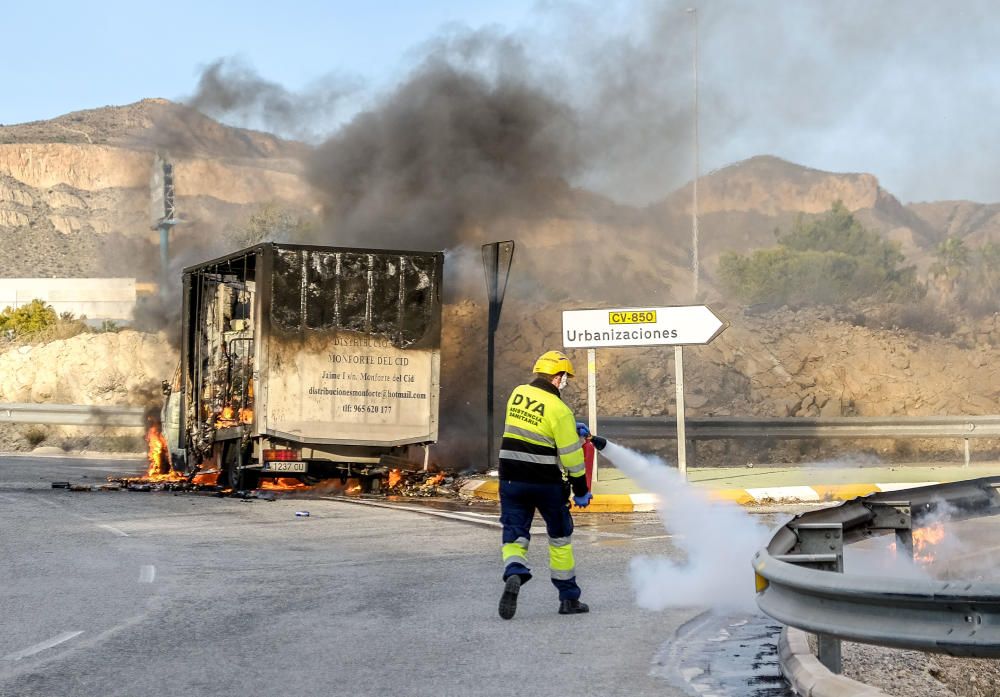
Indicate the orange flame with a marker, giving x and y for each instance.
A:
(395, 477)
(436, 479)
(283, 484)
(925, 538)
(209, 478)
(158, 455)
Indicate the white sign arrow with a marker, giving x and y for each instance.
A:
(641, 326)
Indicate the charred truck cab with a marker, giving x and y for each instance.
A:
(307, 362)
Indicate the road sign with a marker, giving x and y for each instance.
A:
(641, 326)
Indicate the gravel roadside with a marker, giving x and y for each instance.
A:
(917, 674)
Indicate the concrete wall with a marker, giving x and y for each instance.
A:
(95, 298)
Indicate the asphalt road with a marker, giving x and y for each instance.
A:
(125, 593)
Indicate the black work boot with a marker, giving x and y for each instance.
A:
(572, 607)
(508, 601)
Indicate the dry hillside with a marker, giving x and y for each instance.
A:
(73, 201)
(74, 191)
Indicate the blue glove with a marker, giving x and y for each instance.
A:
(583, 501)
(582, 430)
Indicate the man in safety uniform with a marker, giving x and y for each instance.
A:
(540, 445)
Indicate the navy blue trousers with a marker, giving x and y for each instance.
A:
(518, 503)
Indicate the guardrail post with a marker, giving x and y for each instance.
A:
(821, 546)
(894, 515)
(968, 457)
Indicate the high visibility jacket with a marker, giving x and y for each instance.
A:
(540, 441)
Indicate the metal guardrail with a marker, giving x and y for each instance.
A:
(71, 415)
(705, 428)
(798, 583)
(622, 427)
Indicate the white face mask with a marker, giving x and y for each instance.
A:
(563, 381)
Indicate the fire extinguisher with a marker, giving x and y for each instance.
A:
(588, 460)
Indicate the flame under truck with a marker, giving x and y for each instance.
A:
(307, 362)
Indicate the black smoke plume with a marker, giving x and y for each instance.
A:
(230, 88)
(449, 151)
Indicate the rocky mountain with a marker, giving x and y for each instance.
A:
(741, 205)
(74, 191)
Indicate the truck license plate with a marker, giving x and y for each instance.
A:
(299, 467)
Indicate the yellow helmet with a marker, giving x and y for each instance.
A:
(553, 362)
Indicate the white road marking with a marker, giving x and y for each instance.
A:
(897, 486)
(112, 528)
(469, 517)
(780, 493)
(37, 648)
(147, 574)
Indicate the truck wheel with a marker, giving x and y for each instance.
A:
(370, 484)
(251, 480)
(233, 478)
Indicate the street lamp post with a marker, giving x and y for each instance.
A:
(695, 266)
(679, 350)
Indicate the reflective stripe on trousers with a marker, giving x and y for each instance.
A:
(562, 565)
(516, 551)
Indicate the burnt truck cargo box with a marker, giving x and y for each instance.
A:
(310, 347)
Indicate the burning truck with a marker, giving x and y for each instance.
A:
(306, 362)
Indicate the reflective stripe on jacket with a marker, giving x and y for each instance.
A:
(539, 438)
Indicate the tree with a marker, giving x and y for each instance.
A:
(977, 277)
(27, 319)
(952, 262)
(824, 260)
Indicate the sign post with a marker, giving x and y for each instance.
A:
(682, 464)
(675, 326)
(592, 399)
(497, 258)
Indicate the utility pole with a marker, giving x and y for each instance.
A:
(162, 212)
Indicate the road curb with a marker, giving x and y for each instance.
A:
(819, 493)
(643, 502)
(809, 677)
(487, 489)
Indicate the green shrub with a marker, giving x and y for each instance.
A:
(35, 435)
(28, 319)
(631, 376)
(829, 260)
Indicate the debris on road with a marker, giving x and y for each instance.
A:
(421, 484)
(397, 483)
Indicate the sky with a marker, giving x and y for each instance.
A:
(907, 90)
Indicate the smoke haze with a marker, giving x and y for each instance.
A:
(896, 89)
(719, 539)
